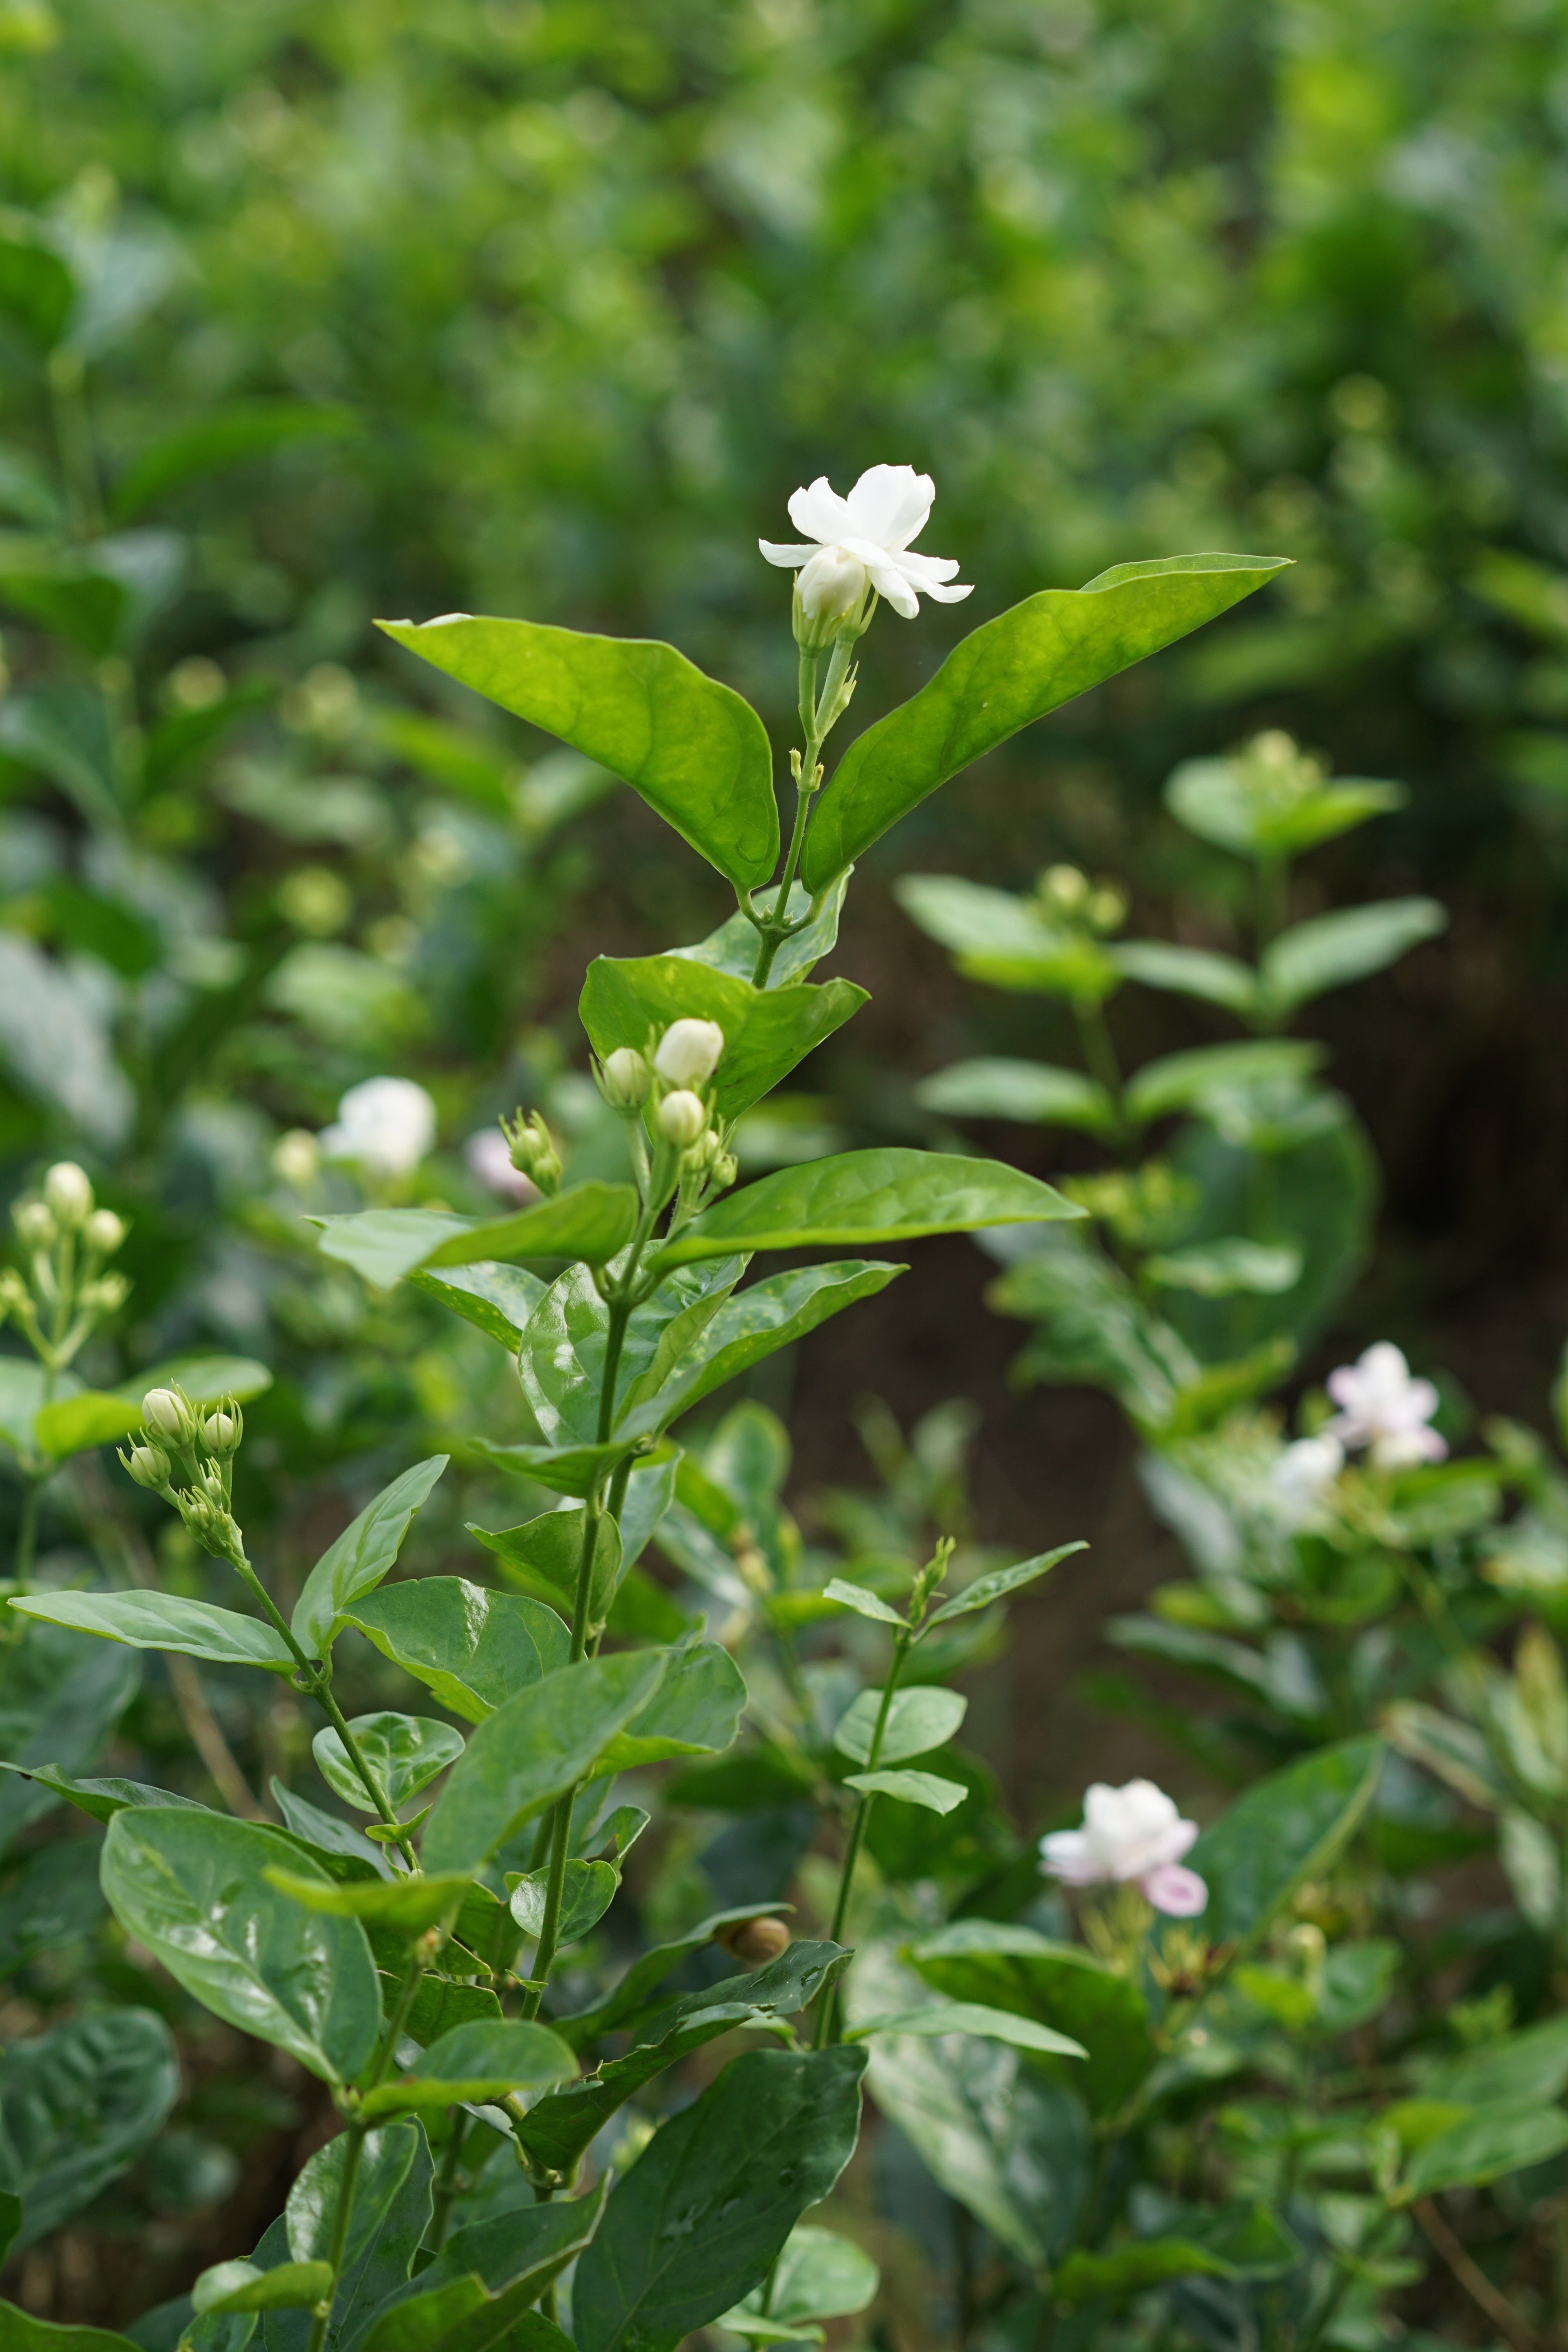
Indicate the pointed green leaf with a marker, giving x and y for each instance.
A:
(477, 2061)
(386, 2159)
(1190, 971)
(1221, 802)
(992, 1087)
(630, 1996)
(920, 1718)
(587, 1892)
(856, 1597)
(767, 1031)
(1009, 672)
(860, 1197)
(1331, 950)
(694, 749)
(471, 1648)
(565, 1469)
(362, 1556)
(384, 1244)
(751, 1325)
(819, 2275)
(409, 1905)
(1007, 941)
(497, 1299)
(708, 2206)
(162, 1621)
(1280, 1833)
(695, 1711)
(1180, 1081)
(101, 1800)
(474, 2295)
(79, 2105)
(924, 1789)
(971, 2017)
(998, 1584)
(591, 1222)
(532, 1750)
(404, 1753)
(192, 1888)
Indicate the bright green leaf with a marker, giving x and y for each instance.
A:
(926, 1789)
(362, 1556)
(1040, 1092)
(1190, 971)
(1185, 1081)
(471, 1648)
(998, 1582)
(1334, 949)
(767, 1031)
(920, 1718)
(163, 1621)
(972, 2017)
(856, 1597)
(404, 1753)
(240, 2286)
(477, 2061)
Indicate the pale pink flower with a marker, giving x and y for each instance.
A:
(1130, 1836)
(1383, 1408)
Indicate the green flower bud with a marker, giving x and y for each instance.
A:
(36, 1227)
(149, 1465)
(68, 1194)
(222, 1429)
(167, 1413)
(103, 1232)
(1064, 889)
(683, 1119)
(533, 1148)
(624, 1078)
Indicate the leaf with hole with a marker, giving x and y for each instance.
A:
(694, 749)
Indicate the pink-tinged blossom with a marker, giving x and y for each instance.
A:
(1130, 1836)
(868, 534)
(1383, 1407)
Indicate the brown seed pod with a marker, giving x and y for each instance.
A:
(754, 1942)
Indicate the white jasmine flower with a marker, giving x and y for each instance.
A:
(689, 1052)
(489, 1159)
(872, 527)
(1132, 1835)
(386, 1124)
(1303, 1474)
(1381, 1406)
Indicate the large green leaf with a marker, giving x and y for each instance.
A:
(561, 1355)
(920, 1718)
(471, 1648)
(545, 1554)
(497, 1299)
(474, 2294)
(532, 1750)
(389, 2215)
(591, 1222)
(859, 1197)
(629, 1998)
(163, 1621)
(708, 2206)
(766, 1030)
(191, 1888)
(78, 2106)
(693, 748)
(1484, 2147)
(1334, 949)
(362, 1556)
(404, 1753)
(753, 1324)
(20, 2332)
(100, 1799)
(60, 1697)
(695, 1711)
(477, 2061)
(1280, 1833)
(1008, 673)
(1060, 1985)
(992, 1087)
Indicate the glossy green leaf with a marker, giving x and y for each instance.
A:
(693, 748)
(1221, 1269)
(920, 1718)
(859, 1197)
(1331, 950)
(1009, 672)
(767, 1031)
(560, 1356)
(1190, 971)
(474, 2294)
(409, 1905)
(591, 1222)
(532, 1750)
(708, 2206)
(310, 2214)
(384, 1245)
(191, 1888)
(240, 2286)
(60, 1697)
(630, 1996)
(696, 1710)
(1281, 1831)
(340, 1848)
(971, 2017)
(362, 1556)
(471, 1648)
(100, 1799)
(20, 2332)
(1061, 1985)
(1220, 802)
(404, 1753)
(565, 1469)
(497, 1299)
(751, 1325)
(856, 1597)
(78, 2107)
(1483, 2148)
(992, 1087)
(924, 1789)
(548, 1553)
(390, 2216)
(163, 1621)
(1185, 1081)
(733, 947)
(588, 1889)
(477, 2061)
(439, 2005)
(1007, 941)
(997, 1583)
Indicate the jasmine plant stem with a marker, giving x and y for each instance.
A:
(827, 2016)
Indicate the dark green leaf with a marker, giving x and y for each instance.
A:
(532, 1750)
(920, 1718)
(472, 1648)
(404, 1753)
(1036, 1091)
(695, 1710)
(60, 1697)
(767, 1031)
(191, 1888)
(477, 2061)
(1232, 2241)
(1060, 1985)
(78, 2106)
(386, 2161)
(1278, 1834)
(708, 2207)
(163, 1621)
(362, 1556)
(628, 1998)
(1008, 673)
(587, 1891)
(474, 2295)
(50, 1903)
(937, 2018)
(37, 288)
(998, 1582)
(338, 1847)
(239, 429)
(1483, 2148)
(887, 1195)
(693, 748)
(753, 1324)
(101, 1800)
(440, 2005)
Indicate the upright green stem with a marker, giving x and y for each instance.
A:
(828, 2014)
(1094, 1033)
(27, 1533)
(446, 2180)
(385, 2051)
(775, 930)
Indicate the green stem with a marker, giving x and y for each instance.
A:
(27, 1533)
(446, 2181)
(827, 2016)
(775, 930)
(550, 1926)
(615, 1340)
(385, 2051)
(1099, 1052)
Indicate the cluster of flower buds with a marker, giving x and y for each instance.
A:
(1069, 900)
(181, 1443)
(669, 1086)
(532, 1150)
(66, 1238)
(1275, 773)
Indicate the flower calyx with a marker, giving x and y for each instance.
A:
(534, 1150)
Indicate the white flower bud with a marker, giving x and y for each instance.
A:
(829, 590)
(103, 1232)
(35, 1228)
(683, 1119)
(167, 1414)
(624, 1077)
(222, 1429)
(149, 1465)
(688, 1053)
(68, 1194)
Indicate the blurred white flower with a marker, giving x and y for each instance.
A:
(1303, 1474)
(1132, 1835)
(1381, 1406)
(488, 1156)
(688, 1053)
(887, 507)
(386, 1124)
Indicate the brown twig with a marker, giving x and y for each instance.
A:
(1474, 2280)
